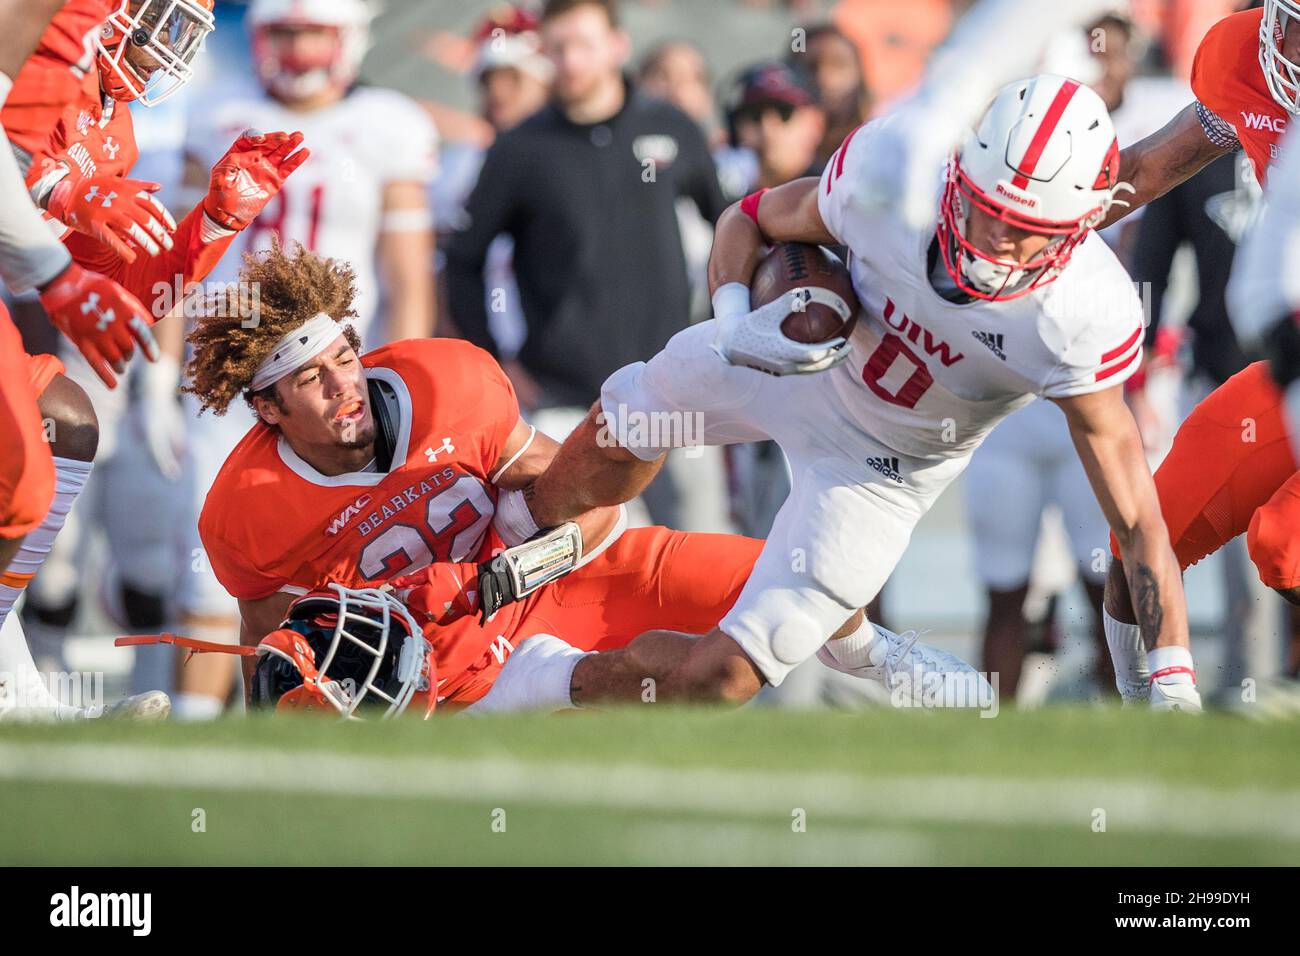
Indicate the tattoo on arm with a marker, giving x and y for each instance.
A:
(1147, 603)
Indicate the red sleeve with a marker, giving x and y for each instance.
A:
(498, 411)
(233, 563)
(190, 258)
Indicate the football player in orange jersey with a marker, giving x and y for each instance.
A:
(1245, 80)
(363, 469)
(77, 86)
(50, 431)
(1230, 470)
(67, 115)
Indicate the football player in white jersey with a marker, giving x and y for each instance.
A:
(877, 427)
(363, 198)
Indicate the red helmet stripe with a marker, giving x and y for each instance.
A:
(1045, 131)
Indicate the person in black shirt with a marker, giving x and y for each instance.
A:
(587, 189)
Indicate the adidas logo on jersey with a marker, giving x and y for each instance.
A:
(994, 341)
(887, 467)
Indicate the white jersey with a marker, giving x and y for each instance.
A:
(930, 378)
(333, 203)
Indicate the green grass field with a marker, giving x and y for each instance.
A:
(656, 786)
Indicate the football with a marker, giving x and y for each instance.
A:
(789, 265)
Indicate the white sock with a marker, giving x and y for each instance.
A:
(24, 693)
(865, 647)
(1172, 665)
(187, 705)
(70, 478)
(196, 707)
(1128, 654)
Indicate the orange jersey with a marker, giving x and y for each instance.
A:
(273, 523)
(56, 111)
(1231, 471)
(1228, 80)
(26, 468)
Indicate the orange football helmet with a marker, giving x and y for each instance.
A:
(146, 48)
(337, 649)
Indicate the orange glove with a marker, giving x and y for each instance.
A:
(123, 214)
(102, 319)
(252, 171)
(443, 592)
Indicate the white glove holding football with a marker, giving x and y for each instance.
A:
(754, 339)
(157, 415)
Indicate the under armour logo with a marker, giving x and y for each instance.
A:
(111, 148)
(91, 307)
(96, 194)
(432, 453)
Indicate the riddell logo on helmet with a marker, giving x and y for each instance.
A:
(1022, 199)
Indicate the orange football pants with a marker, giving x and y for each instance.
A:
(1231, 471)
(649, 579)
(26, 467)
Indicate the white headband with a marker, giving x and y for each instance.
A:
(298, 347)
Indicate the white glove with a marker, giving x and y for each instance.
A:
(755, 340)
(157, 416)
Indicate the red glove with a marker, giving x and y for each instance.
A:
(101, 318)
(123, 214)
(443, 592)
(251, 172)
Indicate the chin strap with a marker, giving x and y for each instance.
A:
(193, 645)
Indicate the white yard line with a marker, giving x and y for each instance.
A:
(1131, 806)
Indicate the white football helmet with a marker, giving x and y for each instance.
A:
(1044, 159)
(288, 76)
(1282, 76)
(168, 35)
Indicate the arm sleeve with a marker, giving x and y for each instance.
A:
(489, 212)
(232, 564)
(503, 413)
(1107, 352)
(702, 182)
(198, 245)
(30, 253)
(1160, 233)
(846, 173)
(412, 155)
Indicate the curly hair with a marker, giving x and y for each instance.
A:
(277, 292)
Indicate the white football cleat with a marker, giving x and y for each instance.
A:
(151, 705)
(918, 675)
(1181, 696)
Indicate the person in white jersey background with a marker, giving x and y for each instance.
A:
(1012, 296)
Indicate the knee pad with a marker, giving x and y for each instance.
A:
(1274, 549)
(76, 427)
(50, 615)
(143, 611)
